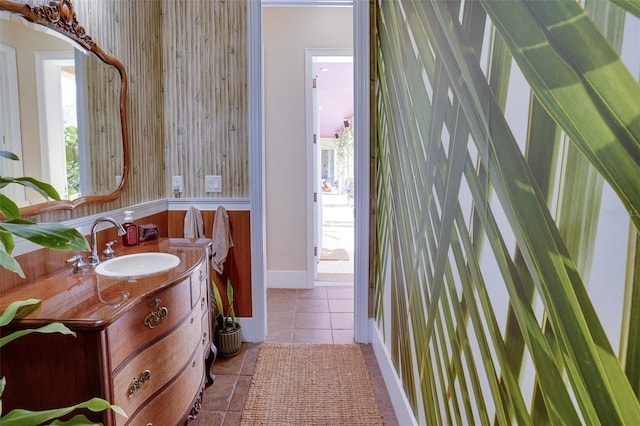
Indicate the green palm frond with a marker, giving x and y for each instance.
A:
(486, 234)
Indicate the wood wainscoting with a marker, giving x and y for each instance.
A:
(237, 267)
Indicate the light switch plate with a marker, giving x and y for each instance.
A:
(177, 184)
(213, 183)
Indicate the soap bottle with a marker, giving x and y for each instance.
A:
(131, 236)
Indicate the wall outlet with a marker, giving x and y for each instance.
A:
(177, 184)
(213, 183)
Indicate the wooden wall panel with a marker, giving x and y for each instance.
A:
(237, 267)
(43, 261)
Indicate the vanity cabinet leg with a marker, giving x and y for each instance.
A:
(211, 357)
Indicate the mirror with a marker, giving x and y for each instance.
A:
(62, 108)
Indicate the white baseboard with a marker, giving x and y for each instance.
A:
(286, 279)
(401, 406)
(248, 334)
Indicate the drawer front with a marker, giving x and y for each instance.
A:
(198, 279)
(206, 334)
(149, 319)
(171, 405)
(205, 291)
(155, 366)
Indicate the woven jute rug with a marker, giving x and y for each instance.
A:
(335, 276)
(335, 254)
(310, 384)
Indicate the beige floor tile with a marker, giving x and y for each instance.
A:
(250, 359)
(281, 335)
(232, 418)
(342, 337)
(312, 293)
(339, 292)
(281, 293)
(341, 321)
(279, 316)
(309, 335)
(312, 305)
(240, 393)
(340, 305)
(220, 393)
(209, 418)
(318, 320)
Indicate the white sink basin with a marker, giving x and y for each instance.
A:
(138, 265)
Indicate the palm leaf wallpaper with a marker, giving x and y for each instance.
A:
(507, 276)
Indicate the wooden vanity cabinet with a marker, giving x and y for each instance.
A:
(149, 357)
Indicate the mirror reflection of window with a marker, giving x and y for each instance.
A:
(10, 139)
(57, 108)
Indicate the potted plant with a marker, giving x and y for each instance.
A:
(227, 337)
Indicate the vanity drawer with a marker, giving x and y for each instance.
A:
(206, 334)
(170, 406)
(198, 280)
(149, 319)
(150, 370)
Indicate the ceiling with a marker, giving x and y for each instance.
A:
(335, 93)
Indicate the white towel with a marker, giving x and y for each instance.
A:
(193, 224)
(222, 241)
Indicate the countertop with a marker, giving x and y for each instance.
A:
(87, 300)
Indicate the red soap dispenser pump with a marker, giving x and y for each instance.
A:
(131, 236)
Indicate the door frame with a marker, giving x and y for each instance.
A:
(257, 157)
(314, 150)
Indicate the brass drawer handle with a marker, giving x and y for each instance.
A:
(156, 317)
(204, 338)
(139, 383)
(202, 302)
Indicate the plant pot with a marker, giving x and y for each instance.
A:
(228, 343)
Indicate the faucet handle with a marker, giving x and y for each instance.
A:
(109, 252)
(79, 265)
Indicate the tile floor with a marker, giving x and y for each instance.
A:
(320, 315)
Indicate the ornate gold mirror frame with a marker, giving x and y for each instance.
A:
(60, 16)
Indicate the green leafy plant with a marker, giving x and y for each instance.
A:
(534, 212)
(73, 159)
(50, 235)
(224, 323)
(20, 417)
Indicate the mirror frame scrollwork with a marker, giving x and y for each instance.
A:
(60, 16)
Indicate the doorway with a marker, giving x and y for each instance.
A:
(257, 159)
(330, 76)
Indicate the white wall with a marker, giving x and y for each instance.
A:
(287, 32)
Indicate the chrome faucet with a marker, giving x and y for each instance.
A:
(95, 259)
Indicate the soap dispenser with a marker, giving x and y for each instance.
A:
(130, 238)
